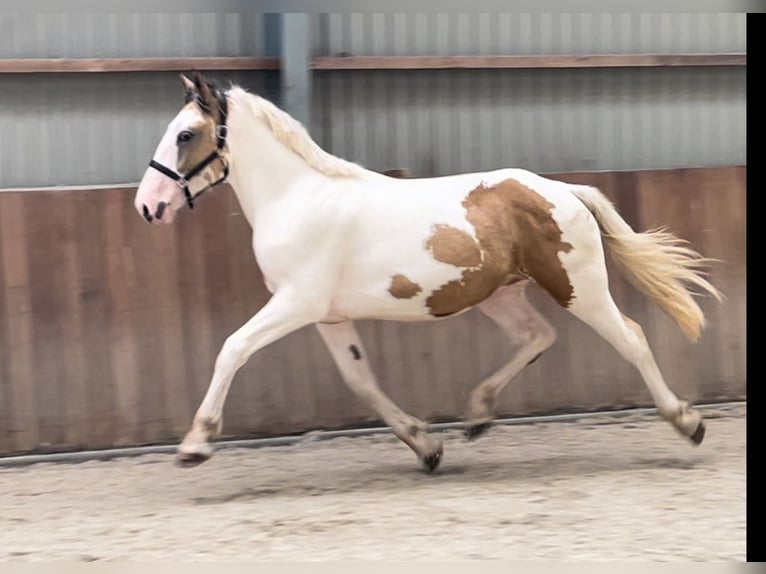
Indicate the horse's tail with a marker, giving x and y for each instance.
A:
(656, 262)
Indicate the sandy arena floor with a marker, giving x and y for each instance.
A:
(597, 489)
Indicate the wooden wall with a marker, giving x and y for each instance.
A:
(109, 327)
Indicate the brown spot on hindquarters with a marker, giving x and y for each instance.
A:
(403, 288)
(518, 235)
(454, 246)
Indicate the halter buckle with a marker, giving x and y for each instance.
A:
(221, 131)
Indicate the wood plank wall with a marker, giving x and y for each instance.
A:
(109, 327)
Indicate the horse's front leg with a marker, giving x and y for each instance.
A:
(283, 314)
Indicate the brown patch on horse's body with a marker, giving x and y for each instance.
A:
(454, 246)
(518, 236)
(402, 288)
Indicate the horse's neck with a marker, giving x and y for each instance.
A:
(263, 169)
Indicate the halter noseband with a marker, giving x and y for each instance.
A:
(221, 131)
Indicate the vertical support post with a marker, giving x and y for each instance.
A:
(296, 67)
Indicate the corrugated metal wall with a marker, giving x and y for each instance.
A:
(79, 129)
(439, 122)
(119, 35)
(399, 34)
(51, 35)
(75, 129)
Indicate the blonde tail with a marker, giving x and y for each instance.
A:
(656, 262)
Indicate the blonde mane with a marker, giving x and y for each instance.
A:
(291, 133)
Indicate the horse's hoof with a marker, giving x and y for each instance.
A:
(699, 434)
(190, 459)
(432, 460)
(474, 431)
(688, 422)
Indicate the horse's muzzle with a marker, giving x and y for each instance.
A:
(158, 213)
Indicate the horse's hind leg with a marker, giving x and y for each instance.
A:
(509, 308)
(593, 304)
(346, 347)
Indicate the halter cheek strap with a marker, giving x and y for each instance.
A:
(221, 131)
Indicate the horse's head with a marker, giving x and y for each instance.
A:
(191, 156)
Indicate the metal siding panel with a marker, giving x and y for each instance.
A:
(524, 33)
(423, 153)
(605, 22)
(329, 39)
(483, 33)
(74, 129)
(106, 35)
(620, 119)
(563, 32)
(356, 34)
(377, 34)
(441, 33)
(213, 34)
(544, 120)
(401, 34)
(421, 35)
(733, 123)
(466, 34)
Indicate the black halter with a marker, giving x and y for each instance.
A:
(221, 131)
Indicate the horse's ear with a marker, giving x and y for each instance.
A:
(189, 88)
(188, 84)
(205, 95)
(199, 80)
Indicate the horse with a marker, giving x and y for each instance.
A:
(337, 242)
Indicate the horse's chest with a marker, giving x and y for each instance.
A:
(287, 251)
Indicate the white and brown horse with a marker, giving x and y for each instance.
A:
(336, 242)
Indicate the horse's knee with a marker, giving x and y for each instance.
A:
(233, 353)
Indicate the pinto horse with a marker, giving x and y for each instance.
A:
(336, 242)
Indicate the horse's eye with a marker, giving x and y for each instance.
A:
(185, 136)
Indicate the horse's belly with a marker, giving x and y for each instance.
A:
(407, 291)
